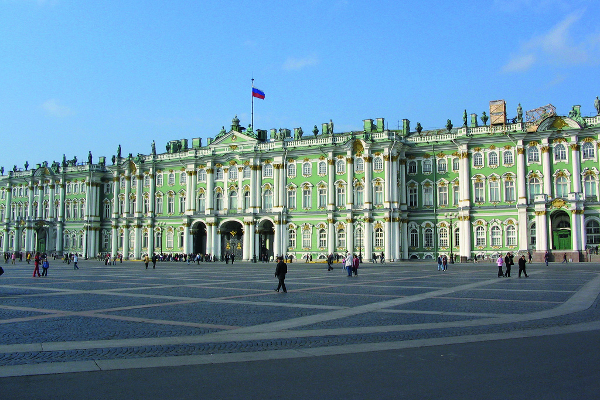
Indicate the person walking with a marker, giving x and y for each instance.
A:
(439, 263)
(500, 262)
(564, 258)
(146, 260)
(348, 264)
(508, 262)
(522, 267)
(154, 261)
(45, 266)
(529, 256)
(280, 271)
(36, 265)
(444, 263)
(330, 262)
(546, 257)
(75, 260)
(382, 257)
(355, 263)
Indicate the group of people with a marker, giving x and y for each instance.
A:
(508, 262)
(442, 262)
(45, 264)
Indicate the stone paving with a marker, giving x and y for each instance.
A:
(124, 316)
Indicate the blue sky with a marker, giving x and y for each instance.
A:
(90, 75)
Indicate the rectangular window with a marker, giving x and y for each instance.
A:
(428, 196)
(291, 199)
(322, 198)
(412, 197)
(306, 198)
(455, 195)
(443, 195)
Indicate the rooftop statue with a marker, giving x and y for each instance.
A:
(119, 151)
(90, 157)
(153, 148)
(449, 125)
(26, 165)
(168, 146)
(114, 159)
(330, 125)
(484, 118)
(465, 118)
(64, 161)
(519, 113)
(597, 105)
(1, 170)
(315, 131)
(419, 128)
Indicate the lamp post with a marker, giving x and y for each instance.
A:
(451, 217)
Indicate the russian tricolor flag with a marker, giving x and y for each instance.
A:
(258, 93)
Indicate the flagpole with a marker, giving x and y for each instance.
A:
(252, 113)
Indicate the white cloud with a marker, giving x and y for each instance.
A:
(558, 47)
(299, 63)
(54, 109)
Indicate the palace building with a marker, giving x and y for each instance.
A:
(528, 183)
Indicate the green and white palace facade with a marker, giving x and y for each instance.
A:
(518, 185)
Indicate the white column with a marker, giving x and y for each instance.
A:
(241, 193)
(387, 239)
(394, 184)
(368, 237)
(127, 193)
(350, 234)
(350, 179)
(210, 191)
(331, 183)
(404, 234)
(387, 184)
(368, 182)
(137, 251)
(246, 244)
(521, 178)
(50, 200)
(8, 202)
(40, 209)
(541, 231)
(226, 189)
(116, 189)
(277, 189)
(396, 241)
(114, 239)
(277, 244)
(258, 191)
(251, 240)
(576, 171)
(152, 204)
(126, 241)
(139, 199)
(330, 235)
(577, 230)
(546, 168)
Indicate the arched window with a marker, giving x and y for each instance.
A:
(292, 238)
(533, 154)
(268, 171)
(592, 231)
(562, 186)
(589, 186)
(246, 199)
(247, 172)
(443, 236)
(511, 235)
(181, 203)
(219, 201)
(268, 200)
(322, 197)
(532, 234)
(378, 163)
(341, 238)
(291, 197)
(378, 237)
(306, 200)
(291, 170)
(159, 204)
(322, 238)
(428, 237)
(359, 164)
(340, 198)
(233, 196)
(201, 202)
(358, 239)
(493, 159)
(201, 175)
(159, 179)
(306, 239)
(171, 179)
(427, 166)
(145, 240)
(340, 166)
(456, 164)
(508, 157)
(479, 192)
(480, 236)
(509, 190)
(378, 194)
(496, 236)
(146, 180)
(478, 160)
(233, 173)
(170, 240)
(322, 168)
(183, 178)
(359, 197)
(560, 152)
(412, 167)
(170, 204)
(414, 237)
(219, 174)
(442, 166)
(535, 188)
(588, 150)
(306, 169)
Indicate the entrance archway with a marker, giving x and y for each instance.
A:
(266, 239)
(561, 231)
(232, 239)
(199, 235)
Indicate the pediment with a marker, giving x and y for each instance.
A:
(233, 138)
(556, 123)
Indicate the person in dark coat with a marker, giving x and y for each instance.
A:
(508, 261)
(522, 263)
(280, 271)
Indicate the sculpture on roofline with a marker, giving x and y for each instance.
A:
(597, 105)
(449, 125)
(26, 165)
(90, 158)
(315, 131)
(330, 127)
(519, 113)
(119, 151)
(153, 148)
(465, 118)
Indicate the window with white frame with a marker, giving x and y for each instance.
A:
(340, 166)
(246, 199)
(535, 188)
(340, 198)
(508, 157)
(201, 202)
(480, 236)
(562, 186)
(509, 190)
(171, 179)
(219, 174)
(322, 197)
(359, 196)
(306, 203)
(455, 164)
(159, 204)
(493, 159)
(291, 199)
(428, 237)
(592, 230)
(443, 236)
(442, 166)
(560, 152)
(443, 195)
(479, 192)
(146, 180)
(428, 196)
(322, 238)
(233, 200)
(589, 186)
(478, 160)
(170, 204)
(170, 239)
(412, 167)
(427, 166)
(378, 194)
(455, 195)
(496, 236)
(306, 238)
(233, 173)
(414, 237)
(268, 171)
(306, 169)
(511, 235)
(378, 163)
(494, 190)
(588, 151)
(291, 170)
(219, 201)
(533, 154)
(413, 197)
(341, 238)
(378, 237)
(322, 168)
(292, 238)
(183, 178)
(159, 179)
(268, 199)
(181, 203)
(359, 165)
(247, 172)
